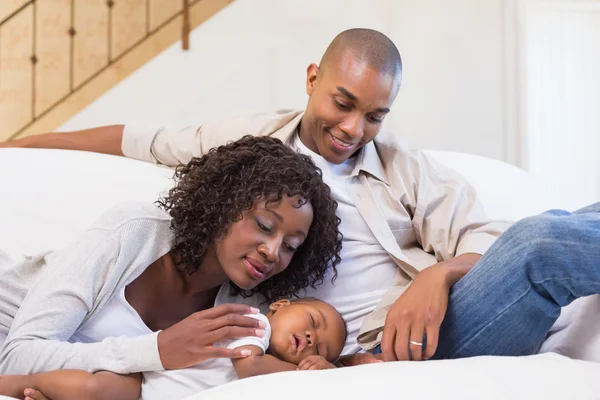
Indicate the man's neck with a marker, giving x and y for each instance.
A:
(306, 138)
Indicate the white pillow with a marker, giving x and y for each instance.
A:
(47, 197)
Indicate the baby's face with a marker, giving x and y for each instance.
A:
(304, 328)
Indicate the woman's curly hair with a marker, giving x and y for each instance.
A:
(213, 191)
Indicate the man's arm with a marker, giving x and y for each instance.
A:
(260, 364)
(104, 139)
(75, 384)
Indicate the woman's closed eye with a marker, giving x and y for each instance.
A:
(263, 226)
(290, 248)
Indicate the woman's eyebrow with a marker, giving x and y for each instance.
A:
(280, 218)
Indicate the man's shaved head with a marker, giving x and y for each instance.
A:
(350, 93)
(368, 46)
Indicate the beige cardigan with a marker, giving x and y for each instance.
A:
(46, 298)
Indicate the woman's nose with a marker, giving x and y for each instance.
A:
(270, 250)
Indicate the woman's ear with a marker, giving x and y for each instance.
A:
(273, 307)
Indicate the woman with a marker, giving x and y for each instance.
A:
(252, 212)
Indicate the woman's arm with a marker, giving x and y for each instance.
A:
(75, 282)
(74, 384)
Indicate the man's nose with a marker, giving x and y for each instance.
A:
(354, 126)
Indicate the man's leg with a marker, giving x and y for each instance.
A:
(508, 302)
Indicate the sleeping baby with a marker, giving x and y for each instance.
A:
(303, 334)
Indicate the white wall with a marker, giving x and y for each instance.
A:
(561, 71)
(252, 56)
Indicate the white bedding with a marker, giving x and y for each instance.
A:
(543, 377)
(49, 196)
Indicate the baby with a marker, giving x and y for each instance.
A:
(304, 334)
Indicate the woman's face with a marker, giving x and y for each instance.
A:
(263, 242)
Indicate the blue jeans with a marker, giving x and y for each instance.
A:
(508, 302)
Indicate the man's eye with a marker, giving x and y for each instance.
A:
(341, 106)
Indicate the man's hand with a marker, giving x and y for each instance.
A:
(359, 359)
(421, 309)
(314, 363)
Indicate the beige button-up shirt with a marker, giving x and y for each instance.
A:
(420, 211)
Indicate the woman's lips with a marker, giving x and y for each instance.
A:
(253, 269)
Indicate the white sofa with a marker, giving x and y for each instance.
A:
(49, 196)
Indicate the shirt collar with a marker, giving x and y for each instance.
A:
(367, 160)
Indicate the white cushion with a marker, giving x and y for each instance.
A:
(48, 196)
(507, 192)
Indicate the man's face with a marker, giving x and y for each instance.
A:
(347, 105)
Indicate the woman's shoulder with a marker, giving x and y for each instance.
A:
(132, 213)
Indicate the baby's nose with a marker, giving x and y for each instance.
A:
(310, 338)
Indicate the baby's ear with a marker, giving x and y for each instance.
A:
(278, 304)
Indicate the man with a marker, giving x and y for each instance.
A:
(412, 228)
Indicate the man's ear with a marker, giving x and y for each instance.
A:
(312, 72)
(273, 307)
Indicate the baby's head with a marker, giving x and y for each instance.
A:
(305, 327)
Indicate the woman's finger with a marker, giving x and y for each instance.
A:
(433, 333)
(234, 320)
(231, 332)
(415, 341)
(222, 352)
(224, 309)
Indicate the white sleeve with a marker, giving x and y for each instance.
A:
(262, 342)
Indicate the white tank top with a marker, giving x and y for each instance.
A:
(116, 319)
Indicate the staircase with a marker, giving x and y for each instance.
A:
(57, 56)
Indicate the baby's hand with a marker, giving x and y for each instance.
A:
(314, 363)
(32, 394)
(360, 359)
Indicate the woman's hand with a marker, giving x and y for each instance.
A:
(418, 312)
(191, 341)
(314, 363)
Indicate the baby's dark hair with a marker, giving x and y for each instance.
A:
(213, 191)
